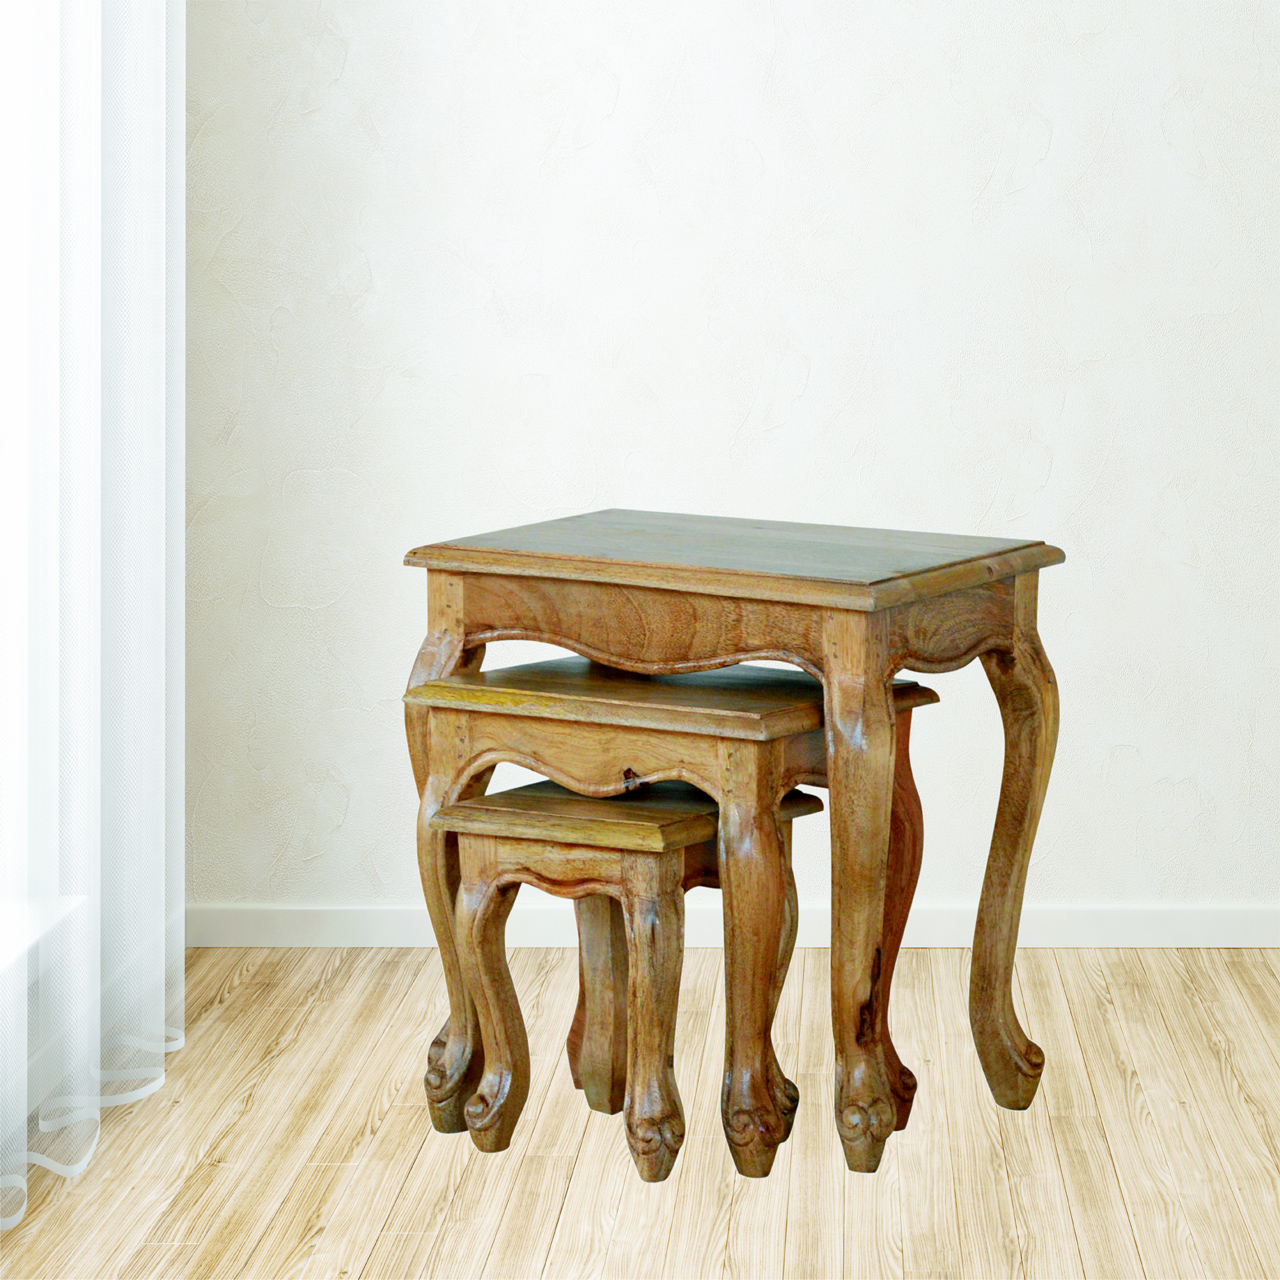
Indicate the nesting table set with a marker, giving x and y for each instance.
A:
(668, 772)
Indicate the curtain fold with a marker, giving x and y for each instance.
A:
(91, 865)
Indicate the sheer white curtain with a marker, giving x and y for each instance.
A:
(91, 535)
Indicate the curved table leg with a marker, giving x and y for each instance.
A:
(653, 910)
(455, 1058)
(1024, 685)
(860, 767)
(753, 884)
(492, 1110)
(906, 851)
(785, 1092)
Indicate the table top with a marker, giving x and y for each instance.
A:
(830, 565)
(759, 704)
(652, 819)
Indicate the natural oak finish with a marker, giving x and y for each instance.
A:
(656, 593)
(458, 736)
(1027, 692)
(628, 849)
(651, 819)
(383, 1196)
(732, 702)
(596, 1046)
(865, 569)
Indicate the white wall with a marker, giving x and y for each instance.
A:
(1002, 268)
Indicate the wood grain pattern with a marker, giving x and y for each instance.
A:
(655, 592)
(370, 1102)
(527, 1225)
(826, 565)
(943, 633)
(872, 1207)
(645, 1229)
(315, 1000)
(731, 702)
(1066, 1088)
(860, 753)
(484, 903)
(811, 1248)
(1234, 1083)
(637, 628)
(1219, 1232)
(650, 819)
(1041, 1207)
(346, 1229)
(1107, 1246)
(414, 1202)
(653, 819)
(1160, 1228)
(596, 1047)
(653, 912)
(1025, 688)
(1259, 987)
(310, 1087)
(989, 1242)
(922, 1152)
(757, 1101)
(697, 1218)
(758, 1218)
(902, 873)
(441, 749)
(471, 1224)
(607, 759)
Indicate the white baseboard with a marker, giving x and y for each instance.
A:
(547, 922)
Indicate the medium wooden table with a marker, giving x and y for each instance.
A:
(655, 592)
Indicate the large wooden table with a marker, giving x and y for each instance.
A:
(656, 592)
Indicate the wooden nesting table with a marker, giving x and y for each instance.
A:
(655, 592)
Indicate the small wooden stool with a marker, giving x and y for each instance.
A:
(639, 849)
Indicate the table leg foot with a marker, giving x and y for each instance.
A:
(451, 1087)
(865, 1112)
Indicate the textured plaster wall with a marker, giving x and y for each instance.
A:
(1007, 267)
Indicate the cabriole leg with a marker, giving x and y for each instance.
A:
(860, 758)
(1027, 692)
(757, 1103)
(456, 1056)
(785, 1092)
(653, 908)
(493, 1109)
(454, 1059)
(906, 850)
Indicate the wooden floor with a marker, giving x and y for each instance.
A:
(291, 1137)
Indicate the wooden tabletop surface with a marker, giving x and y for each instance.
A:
(761, 559)
(750, 702)
(653, 819)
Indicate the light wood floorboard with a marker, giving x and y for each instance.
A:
(291, 1139)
